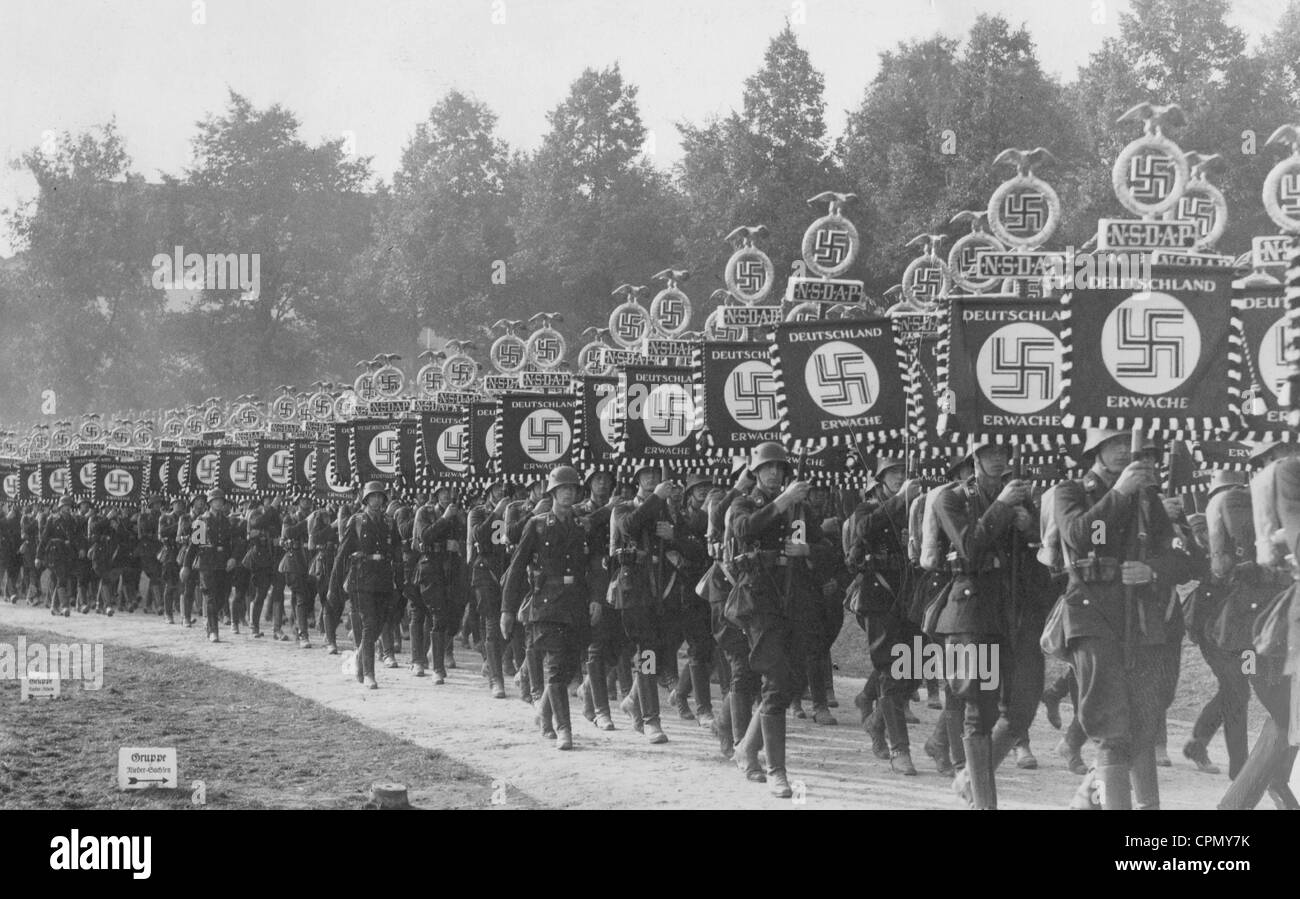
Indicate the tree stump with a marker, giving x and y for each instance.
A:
(388, 796)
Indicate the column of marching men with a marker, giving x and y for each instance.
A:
(583, 585)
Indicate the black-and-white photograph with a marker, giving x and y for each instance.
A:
(558, 404)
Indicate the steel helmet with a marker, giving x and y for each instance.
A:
(66, 501)
(884, 463)
(698, 479)
(664, 473)
(374, 487)
(768, 452)
(216, 493)
(1095, 437)
(561, 475)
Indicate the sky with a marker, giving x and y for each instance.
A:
(371, 70)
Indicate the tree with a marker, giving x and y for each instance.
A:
(591, 214)
(442, 236)
(256, 187)
(759, 166)
(81, 319)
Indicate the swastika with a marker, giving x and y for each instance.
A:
(753, 394)
(751, 275)
(510, 355)
(842, 380)
(830, 247)
(309, 466)
(628, 325)
(389, 383)
(1151, 177)
(546, 350)
(86, 475)
(1288, 194)
(453, 447)
(672, 313)
(928, 281)
(279, 466)
(243, 472)
(546, 435)
(285, 407)
(384, 450)
(118, 482)
(1199, 210)
(206, 469)
(1024, 213)
(365, 388)
(59, 481)
(1153, 337)
(1026, 368)
(667, 413)
(321, 406)
(212, 418)
(460, 372)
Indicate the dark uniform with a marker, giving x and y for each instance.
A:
(261, 560)
(485, 532)
(441, 572)
(879, 555)
(547, 587)
(637, 591)
(218, 552)
(323, 543)
(148, 547)
(688, 556)
(168, 528)
(1118, 660)
(370, 556)
(293, 565)
(62, 540)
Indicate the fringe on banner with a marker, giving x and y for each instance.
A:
(582, 454)
(1172, 427)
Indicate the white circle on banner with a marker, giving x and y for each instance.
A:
(669, 414)
(243, 472)
(86, 475)
(1019, 368)
(34, 483)
(279, 466)
(206, 469)
(11, 485)
(842, 379)
(309, 467)
(451, 448)
(750, 395)
(606, 413)
(118, 482)
(545, 435)
(59, 480)
(1150, 343)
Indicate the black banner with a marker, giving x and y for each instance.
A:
(840, 381)
(408, 440)
(119, 482)
(1001, 364)
(275, 468)
(376, 451)
(176, 474)
(29, 482)
(596, 423)
(656, 415)
(444, 447)
(238, 470)
(1167, 357)
(157, 480)
(736, 397)
(9, 482)
(55, 479)
(202, 469)
(81, 481)
(535, 434)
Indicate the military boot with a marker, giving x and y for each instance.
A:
(1146, 782)
(436, 654)
(773, 727)
(979, 772)
(722, 728)
(875, 728)
(746, 754)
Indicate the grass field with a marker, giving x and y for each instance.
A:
(252, 744)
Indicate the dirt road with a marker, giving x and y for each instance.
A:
(609, 770)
